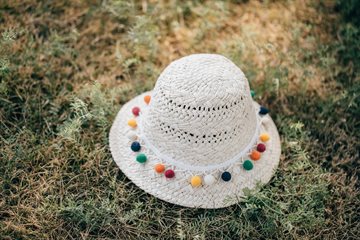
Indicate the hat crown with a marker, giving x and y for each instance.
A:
(201, 111)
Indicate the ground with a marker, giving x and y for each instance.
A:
(66, 67)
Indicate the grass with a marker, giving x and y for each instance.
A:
(66, 67)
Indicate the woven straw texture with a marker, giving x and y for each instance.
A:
(201, 114)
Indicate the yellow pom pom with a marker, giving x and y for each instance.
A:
(264, 137)
(132, 123)
(196, 181)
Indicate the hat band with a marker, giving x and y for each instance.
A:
(181, 165)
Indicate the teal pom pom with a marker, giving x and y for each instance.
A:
(252, 92)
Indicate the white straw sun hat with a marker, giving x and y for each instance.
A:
(198, 139)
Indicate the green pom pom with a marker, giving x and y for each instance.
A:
(248, 165)
(141, 158)
(252, 92)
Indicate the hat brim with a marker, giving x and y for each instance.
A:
(178, 190)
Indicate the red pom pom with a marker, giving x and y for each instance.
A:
(136, 111)
(169, 173)
(261, 147)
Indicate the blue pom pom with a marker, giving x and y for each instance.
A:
(135, 146)
(263, 110)
(226, 176)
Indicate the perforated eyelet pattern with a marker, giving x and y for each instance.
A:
(202, 105)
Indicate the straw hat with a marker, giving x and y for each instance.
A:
(198, 139)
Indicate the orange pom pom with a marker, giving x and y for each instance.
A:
(147, 99)
(132, 123)
(159, 168)
(255, 155)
